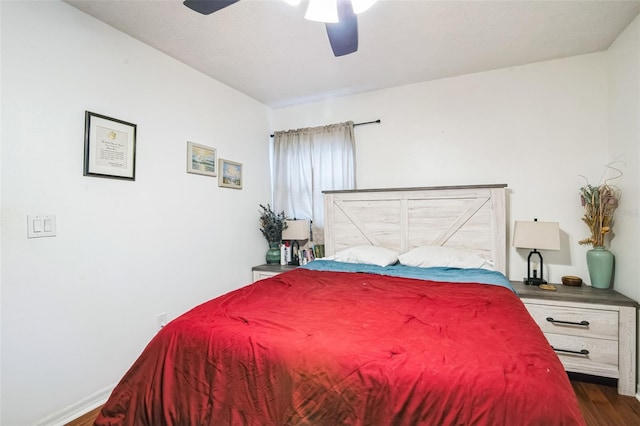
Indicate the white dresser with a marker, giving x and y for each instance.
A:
(269, 270)
(593, 331)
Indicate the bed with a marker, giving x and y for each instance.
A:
(359, 338)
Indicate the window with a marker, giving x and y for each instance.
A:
(307, 162)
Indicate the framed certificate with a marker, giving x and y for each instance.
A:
(109, 147)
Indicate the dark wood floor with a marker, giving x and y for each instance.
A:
(85, 420)
(600, 404)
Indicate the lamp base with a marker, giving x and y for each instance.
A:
(534, 281)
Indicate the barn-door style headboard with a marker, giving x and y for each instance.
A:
(470, 217)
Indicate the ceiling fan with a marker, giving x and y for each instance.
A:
(339, 16)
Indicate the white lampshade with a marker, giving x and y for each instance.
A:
(296, 230)
(536, 235)
(327, 10)
(360, 6)
(322, 11)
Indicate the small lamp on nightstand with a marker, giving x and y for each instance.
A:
(297, 230)
(536, 235)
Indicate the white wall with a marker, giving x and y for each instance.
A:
(624, 143)
(536, 128)
(78, 308)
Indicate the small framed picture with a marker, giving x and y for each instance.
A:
(109, 147)
(201, 159)
(230, 175)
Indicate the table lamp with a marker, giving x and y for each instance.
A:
(536, 235)
(297, 230)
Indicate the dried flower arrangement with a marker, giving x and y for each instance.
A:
(599, 202)
(272, 224)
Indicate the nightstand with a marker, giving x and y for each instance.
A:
(269, 270)
(592, 330)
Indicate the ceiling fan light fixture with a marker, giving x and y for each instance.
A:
(322, 11)
(360, 6)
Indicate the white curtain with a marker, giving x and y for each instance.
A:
(307, 162)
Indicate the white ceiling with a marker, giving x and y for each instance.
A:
(267, 50)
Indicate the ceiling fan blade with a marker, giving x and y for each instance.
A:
(343, 35)
(207, 7)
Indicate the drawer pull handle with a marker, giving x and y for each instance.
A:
(581, 323)
(580, 352)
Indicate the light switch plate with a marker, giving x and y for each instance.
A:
(41, 225)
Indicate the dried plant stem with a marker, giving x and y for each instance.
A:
(599, 202)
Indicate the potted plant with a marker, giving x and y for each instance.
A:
(599, 202)
(271, 226)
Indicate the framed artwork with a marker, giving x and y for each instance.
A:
(230, 175)
(109, 147)
(201, 159)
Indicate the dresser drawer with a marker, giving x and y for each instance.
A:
(261, 275)
(599, 356)
(573, 321)
(267, 271)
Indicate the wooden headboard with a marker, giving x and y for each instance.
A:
(470, 217)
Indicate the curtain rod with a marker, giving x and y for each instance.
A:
(357, 124)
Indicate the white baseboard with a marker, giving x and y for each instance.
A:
(72, 412)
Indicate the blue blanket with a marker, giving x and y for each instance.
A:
(442, 274)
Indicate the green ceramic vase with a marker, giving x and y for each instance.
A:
(273, 254)
(600, 263)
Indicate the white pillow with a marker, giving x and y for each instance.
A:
(433, 256)
(371, 255)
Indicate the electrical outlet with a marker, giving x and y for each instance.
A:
(162, 320)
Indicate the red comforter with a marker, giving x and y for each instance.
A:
(332, 348)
